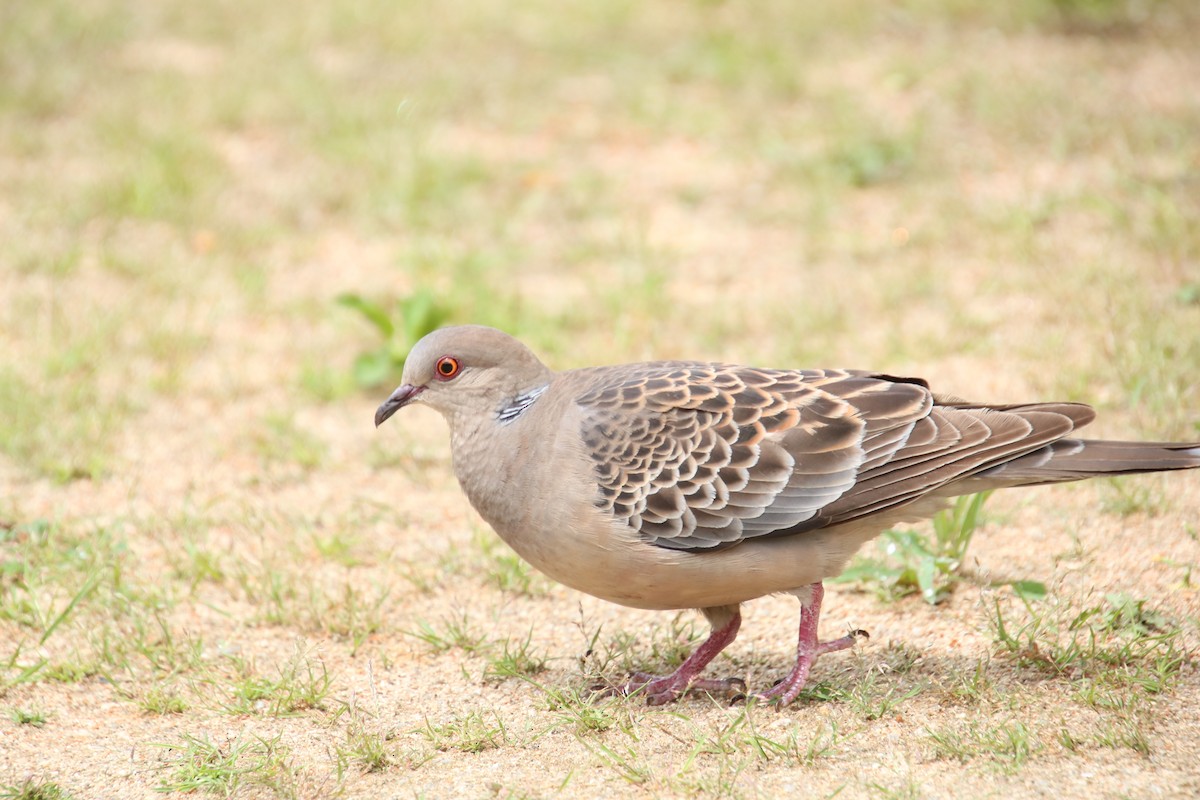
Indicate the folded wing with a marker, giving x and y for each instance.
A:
(704, 456)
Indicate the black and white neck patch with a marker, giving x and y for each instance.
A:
(518, 405)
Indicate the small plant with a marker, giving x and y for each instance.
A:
(1008, 745)
(368, 750)
(300, 684)
(969, 686)
(669, 645)
(33, 790)
(202, 765)
(1189, 294)
(1068, 741)
(911, 562)
(583, 712)
(68, 672)
(871, 702)
(415, 316)
(338, 547)
(874, 160)
(1113, 651)
(1127, 498)
(899, 658)
(623, 760)
(1124, 732)
(470, 733)
(354, 614)
(510, 574)
(797, 747)
(162, 701)
(194, 564)
(13, 672)
(455, 632)
(32, 718)
(516, 660)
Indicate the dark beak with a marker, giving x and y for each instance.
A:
(398, 400)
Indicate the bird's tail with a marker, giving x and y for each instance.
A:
(1077, 459)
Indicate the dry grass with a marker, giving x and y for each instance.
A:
(215, 576)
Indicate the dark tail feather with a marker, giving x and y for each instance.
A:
(1077, 459)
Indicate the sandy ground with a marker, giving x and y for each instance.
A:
(243, 522)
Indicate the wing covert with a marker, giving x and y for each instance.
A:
(701, 456)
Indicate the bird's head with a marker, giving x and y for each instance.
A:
(466, 369)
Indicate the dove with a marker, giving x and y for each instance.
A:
(694, 485)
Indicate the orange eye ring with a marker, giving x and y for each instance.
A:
(446, 368)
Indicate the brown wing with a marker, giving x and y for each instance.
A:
(700, 456)
(697, 456)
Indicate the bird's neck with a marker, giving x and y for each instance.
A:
(487, 460)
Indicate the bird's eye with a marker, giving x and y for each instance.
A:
(447, 367)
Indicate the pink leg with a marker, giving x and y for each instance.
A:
(666, 688)
(807, 650)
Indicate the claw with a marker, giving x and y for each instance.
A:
(664, 689)
(808, 649)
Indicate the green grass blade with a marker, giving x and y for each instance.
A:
(87, 589)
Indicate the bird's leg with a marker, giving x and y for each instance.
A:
(808, 648)
(665, 688)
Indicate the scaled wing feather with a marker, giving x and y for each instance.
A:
(700, 456)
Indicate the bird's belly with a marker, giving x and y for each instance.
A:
(618, 566)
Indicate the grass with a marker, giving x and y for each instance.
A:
(909, 790)
(283, 441)
(1119, 656)
(914, 562)
(453, 633)
(793, 747)
(299, 685)
(1008, 746)
(161, 701)
(209, 283)
(516, 659)
(584, 711)
(27, 717)
(1119, 641)
(368, 750)
(32, 789)
(197, 764)
(76, 445)
(472, 732)
(664, 646)
(504, 568)
(400, 327)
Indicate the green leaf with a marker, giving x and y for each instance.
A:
(66, 612)
(421, 313)
(1029, 590)
(370, 311)
(926, 572)
(372, 369)
(868, 569)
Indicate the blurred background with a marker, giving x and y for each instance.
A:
(222, 224)
(999, 195)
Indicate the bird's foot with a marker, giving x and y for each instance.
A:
(788, 689)
(662, 689)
